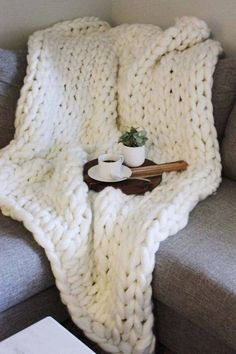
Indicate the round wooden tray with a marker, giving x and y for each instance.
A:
(128, 186)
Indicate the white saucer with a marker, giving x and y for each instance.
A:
(94, 174)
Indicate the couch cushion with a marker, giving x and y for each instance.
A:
(195, 269)
(223, 93)
(24, 314)
(228, 148)
(184, 337)
(24, 268)
(12, 72)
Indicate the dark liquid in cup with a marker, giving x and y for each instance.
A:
(109, 161)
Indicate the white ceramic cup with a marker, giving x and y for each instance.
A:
(109, 165)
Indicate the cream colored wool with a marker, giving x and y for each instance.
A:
(85, 83)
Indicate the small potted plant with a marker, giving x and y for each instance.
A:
(133, 146)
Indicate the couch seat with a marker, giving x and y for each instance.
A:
(195, 271)
(24, 268)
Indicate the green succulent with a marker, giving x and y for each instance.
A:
(134, 137)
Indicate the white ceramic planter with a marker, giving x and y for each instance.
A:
(134, 156)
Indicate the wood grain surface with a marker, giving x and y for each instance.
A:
(155, 170)
(128, 186)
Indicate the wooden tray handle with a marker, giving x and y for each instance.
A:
(155, 170)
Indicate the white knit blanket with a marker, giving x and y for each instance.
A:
(85, 84)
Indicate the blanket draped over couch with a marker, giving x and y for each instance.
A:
(85, 83)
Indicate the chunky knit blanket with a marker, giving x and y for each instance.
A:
(85, 84)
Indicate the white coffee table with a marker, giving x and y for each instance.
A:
(44, 337)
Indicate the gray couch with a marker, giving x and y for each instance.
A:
(194, 282)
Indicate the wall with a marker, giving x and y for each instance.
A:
(219, 14)
(19, 18)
